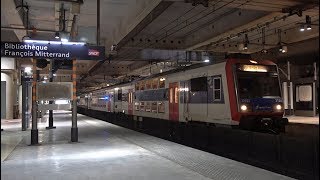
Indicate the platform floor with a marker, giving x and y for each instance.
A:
(106, 151)
(303, 120)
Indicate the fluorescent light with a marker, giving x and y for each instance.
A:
(36, 41)
(57, 36)
(302, 28)
(61, 102)
(27, 69)
(206, 60)
(64, 40)
(254, 62)
(116, 89)
(55, 42)
(284, 49)
(74, 43)
(245, 46)
(309, 27)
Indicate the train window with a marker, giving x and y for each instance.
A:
(141, 106)
(136, 105)
(161, 107)
(119, 94)
(148, 107)
(148, 84)
(304, 93)
(155, 83)
(199, 84)
(142, 85)
(162, 82)
(154, 107)
(217, 88)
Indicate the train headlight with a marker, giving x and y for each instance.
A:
(243, 107)
(278, 107)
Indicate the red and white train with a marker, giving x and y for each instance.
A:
(236, 92)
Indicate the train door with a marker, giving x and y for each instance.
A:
(109, 102)
(173, 101)
(130, 101)
(184, 93)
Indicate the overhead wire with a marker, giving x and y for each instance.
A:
(167, 35)
(273, 29)
(171, 23)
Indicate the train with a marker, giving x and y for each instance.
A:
(237, 93)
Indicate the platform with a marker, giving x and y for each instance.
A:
(304, 120)
(107, 151)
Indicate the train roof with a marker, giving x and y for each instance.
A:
(179, 69)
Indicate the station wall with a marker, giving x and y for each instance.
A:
(9, 89)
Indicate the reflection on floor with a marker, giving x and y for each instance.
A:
(106, 151)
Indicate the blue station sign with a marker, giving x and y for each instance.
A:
(52, 50)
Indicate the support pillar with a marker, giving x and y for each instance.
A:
(51, 102)
(290, 91)
(24, 102)
(34, 130)
(315, 93)
(74, 127)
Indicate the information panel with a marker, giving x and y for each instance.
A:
(52, 50)
(52, 91)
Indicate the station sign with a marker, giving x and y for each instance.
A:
(52, 50)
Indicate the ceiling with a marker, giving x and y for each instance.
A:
(148, 32)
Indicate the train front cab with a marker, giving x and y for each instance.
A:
(255, 95)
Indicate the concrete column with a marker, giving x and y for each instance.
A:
(51, 102)
(74, 128)
(290, 92)
(24, 103)
(34, 130)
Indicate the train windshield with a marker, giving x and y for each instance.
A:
(257, 81)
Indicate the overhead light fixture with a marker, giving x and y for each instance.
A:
(254, 62)
(308, 27)
(45, 78)
(63, 41)
(26, 37)
(206, 60)
(57, 36)
(302, 28)
(308, 22)
(245, 46)
(264, 51)
(284, 49)
(27, 69)
(246, 42)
